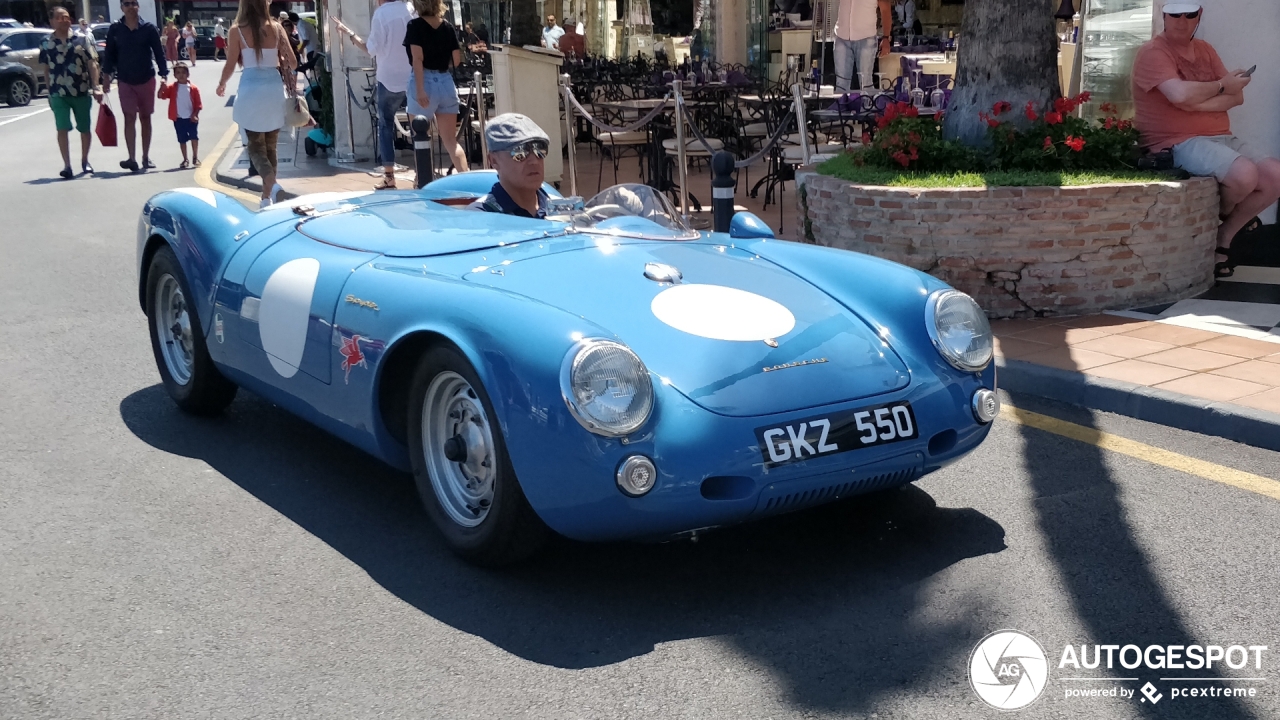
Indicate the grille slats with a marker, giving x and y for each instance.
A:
(817, 496)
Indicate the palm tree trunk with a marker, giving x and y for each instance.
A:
(526, 26)
(1008, 51)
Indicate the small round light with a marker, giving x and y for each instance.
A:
(959, 330)
(636, 476)
(986, 405)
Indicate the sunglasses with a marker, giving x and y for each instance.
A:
(538, 148)
(1188, 15)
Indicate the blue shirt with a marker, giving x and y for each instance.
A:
(128, 56)
(499, 200)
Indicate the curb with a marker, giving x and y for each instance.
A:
(1258, 428)
(253, 184)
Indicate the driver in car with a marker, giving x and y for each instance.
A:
(517, 147)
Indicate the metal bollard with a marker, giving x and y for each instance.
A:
(567, 89)
(478, 79)
(721, 190)
(677, 89)
(422, 151)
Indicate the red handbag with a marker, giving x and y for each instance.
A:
(105, 128)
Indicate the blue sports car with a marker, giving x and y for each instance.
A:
(606, 373)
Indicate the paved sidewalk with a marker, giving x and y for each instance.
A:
(1207, 382)
(300, 174)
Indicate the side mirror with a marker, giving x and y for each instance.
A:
(4, 49)
(747, 225)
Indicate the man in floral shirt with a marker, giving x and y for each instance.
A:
(71, 72)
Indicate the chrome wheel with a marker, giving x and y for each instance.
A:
(173, 327)
(458, 449)
(19, 93)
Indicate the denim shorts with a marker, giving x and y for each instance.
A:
(442, 96)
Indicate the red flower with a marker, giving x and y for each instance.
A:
(1125, 124)
(866, 138)
(990, 121)
(1002, 106)
(882, 121)
(1083, 97)
(1110, 123)
(1048, 143)
(1075, 143)
(1053, 118)
(914, 138)
(1062, 105)
(1031, 111)
(1109, 108)
(902, 158)
(912, 111)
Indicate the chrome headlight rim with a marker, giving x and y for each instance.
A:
(575, 408)
(931, 325)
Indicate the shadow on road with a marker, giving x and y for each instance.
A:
(1104, 570)
(824, 600)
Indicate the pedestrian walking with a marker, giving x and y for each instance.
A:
(132, 44)
(189, 40)
(386, 45)
(551, 34)
(219, 39)
(184, 111)
(71, 74)
(260, 45)
(432, 47)
(171, 36)
(84, 29)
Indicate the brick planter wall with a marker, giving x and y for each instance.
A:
(1030, 251)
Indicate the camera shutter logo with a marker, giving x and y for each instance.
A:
(1008, 670)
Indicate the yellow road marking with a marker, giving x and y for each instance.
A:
(204, 173)
(1156, 456)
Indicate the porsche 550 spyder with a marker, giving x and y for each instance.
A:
(605, 373)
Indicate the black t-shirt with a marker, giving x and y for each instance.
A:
(437, 44)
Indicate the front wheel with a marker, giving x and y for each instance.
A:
(182, 358)
(20, 93)
(461, 467)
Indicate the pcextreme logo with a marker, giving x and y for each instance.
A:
(1008, 670)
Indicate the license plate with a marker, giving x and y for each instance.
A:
(836, 433)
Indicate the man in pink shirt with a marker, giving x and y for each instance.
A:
(1182, 93)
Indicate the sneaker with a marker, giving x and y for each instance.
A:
(86, 168)
(264, 203)
(130, 165)
(66, 173)
(275, 193)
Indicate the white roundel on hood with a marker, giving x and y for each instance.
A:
(722, 313)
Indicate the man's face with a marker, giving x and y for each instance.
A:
(523, 175)
(130, 9)
(61, 20)
(551, 21)
(1182, 28)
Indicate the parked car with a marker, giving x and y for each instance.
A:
(9, 23)
(99, 31)
(204, 43)
(17, 83)
(23, 45)
(605, 373)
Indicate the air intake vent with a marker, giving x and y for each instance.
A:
(817, 496)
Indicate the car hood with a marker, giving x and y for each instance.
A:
(738, 335)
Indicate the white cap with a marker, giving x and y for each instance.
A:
(1180, 7)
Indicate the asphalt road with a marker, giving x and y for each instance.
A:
(154, 565)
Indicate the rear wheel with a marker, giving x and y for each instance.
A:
(177, 342)
(20, 92)
(461, 467)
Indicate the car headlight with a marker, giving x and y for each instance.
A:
(606, 387)
(959, 330)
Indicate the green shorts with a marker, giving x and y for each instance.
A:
(64, 105)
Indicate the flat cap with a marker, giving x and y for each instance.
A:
(1181, 7)
(510, 129)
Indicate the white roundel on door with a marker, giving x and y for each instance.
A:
(722, 313)
(285, 311)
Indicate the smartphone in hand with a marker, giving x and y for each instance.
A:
(1249, 72)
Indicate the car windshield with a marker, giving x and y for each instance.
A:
(628, 210)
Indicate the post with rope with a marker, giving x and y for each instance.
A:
(422, 160)
(478, 89)
(801, 124)
(565, 90)
(722, 186)
(678, 90)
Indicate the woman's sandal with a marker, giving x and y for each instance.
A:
(184, 165)
(1224, 269)
(388, 183)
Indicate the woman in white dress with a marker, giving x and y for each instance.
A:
(259, 44)
(189, 39)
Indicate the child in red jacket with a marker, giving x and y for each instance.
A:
(184, 111)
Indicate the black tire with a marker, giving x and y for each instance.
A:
(205, 391)
(19, 92)
(510, 531)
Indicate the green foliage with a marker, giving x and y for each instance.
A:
(1051, 142)
(846, 168)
